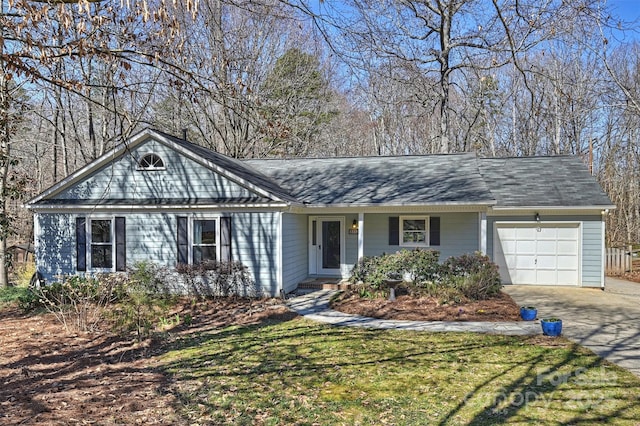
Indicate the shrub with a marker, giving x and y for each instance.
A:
(420, 265)
(76, 302)
(23, 272)
(467, 276)
(481, 277)
(378, 270)
(143, 301)
(218, 279)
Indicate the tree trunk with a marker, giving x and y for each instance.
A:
(5, 136)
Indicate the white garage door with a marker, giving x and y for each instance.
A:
(537, 253)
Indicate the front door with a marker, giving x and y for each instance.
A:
(327, 251)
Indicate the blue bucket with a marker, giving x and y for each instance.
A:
(551, 328)
(528, 314)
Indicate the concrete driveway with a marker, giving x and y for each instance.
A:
(607, 322)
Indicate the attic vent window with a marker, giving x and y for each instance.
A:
(151, 162)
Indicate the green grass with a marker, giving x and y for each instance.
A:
(300, 372)
(10, 295)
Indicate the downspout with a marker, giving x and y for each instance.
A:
(603, 251)
(360, 236)
(482, 232)
(280, 275)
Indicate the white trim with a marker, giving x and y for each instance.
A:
(482, 231)
(312, 249)
(89, 263)
(342, 269)
(191, 228)
(502, 210)
(145, 208)
(279, 255)
(360, 235)
(150, 169)
(427, 231)
(603, 248)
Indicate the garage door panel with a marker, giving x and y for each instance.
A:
(508, 247)
(549, 234)
(567, 277)
(526, 276)
(507, 233)
(546, 276)
(547, 247)
(527, 261)
(568, 262)
(526, 247)
(567, 248)
(568, 233)
(525, 234)
(547, 262)
(534, 253)
(510, 261)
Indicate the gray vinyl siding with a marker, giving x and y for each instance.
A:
(459, 233)
(153, 238)
(351, 242)
(55, 245)
(255, 244)
(182, 178)
(591, 250)
(295, 250)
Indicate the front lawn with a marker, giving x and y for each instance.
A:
(300, 372)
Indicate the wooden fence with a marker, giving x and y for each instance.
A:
(619, 260)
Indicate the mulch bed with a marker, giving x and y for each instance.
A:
(501, 308)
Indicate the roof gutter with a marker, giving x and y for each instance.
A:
(484, 204)
(51, 208)
(573, 208)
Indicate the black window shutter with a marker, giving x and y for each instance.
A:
(121, 247)
(81, 243)
(434, 231)
(225, 239)
(394, 231)
(183, 240)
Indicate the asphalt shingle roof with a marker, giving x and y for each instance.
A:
(542, 181)
(406, 180)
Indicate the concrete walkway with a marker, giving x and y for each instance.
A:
(607, 322)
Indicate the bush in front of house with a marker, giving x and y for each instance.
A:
(218, 279)
(77, 302)
(416, 265)
(143, 300)
(474, 275)
(139, 299)
(470, 276)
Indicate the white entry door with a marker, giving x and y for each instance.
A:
(326, 246)
(542, 254)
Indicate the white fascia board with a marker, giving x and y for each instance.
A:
(388, 208)
(43, 208)
(502, 211)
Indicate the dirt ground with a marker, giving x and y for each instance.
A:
(51, 377)
(502, 308)
(630, 276)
